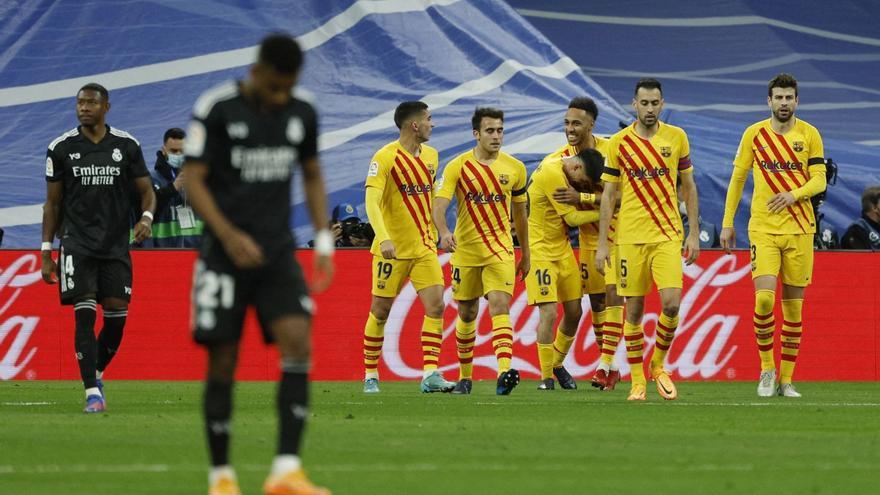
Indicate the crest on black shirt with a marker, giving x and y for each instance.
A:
(798, 146)
(117, 155)
(666, 151)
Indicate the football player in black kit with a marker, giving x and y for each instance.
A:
(89, 172)
(243, 143)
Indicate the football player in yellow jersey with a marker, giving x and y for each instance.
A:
(643, 162)
(554, 276)
(490, 186)
(787, 161)
(606, 306)
(399, 192)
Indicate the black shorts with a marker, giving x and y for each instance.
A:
(80, 275)
(222, 293)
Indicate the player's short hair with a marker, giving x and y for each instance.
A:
(870, 198)
(782, 80)
(593, 162)
(648, 83)
(480, 112)
(173, 133)
(280, 52)
(408, 110)
(586, 104)
(93, 86)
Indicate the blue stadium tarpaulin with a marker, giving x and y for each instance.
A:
(362, 58)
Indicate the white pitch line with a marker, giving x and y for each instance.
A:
(29, 403)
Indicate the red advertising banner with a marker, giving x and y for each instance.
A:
(714, 342)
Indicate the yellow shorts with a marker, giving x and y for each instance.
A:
(471, 282)
(554, 281)
(389, 275)
(592, 282)
(638, 264)
(792, 254)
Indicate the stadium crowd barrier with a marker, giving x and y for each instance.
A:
(714, 341)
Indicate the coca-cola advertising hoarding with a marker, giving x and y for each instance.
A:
(714, 341)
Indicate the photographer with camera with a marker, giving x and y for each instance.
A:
(348, 229)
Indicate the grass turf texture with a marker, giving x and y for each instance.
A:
(716, 438)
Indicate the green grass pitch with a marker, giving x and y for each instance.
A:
(716, 438)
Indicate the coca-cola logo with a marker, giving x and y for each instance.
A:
(16, 330)
(702, 345)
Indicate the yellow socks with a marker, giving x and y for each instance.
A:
(666, 327)
(612, 331)
(635, 344)
(432, 337)
(791, 337)
(502, 341)
(561, 345)
(545, 357)
(374, 335)
(765, 326)
(598, 326)
(465, 336)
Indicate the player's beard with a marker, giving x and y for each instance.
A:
(648, 123)
(779, 117)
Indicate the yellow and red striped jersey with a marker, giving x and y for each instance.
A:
(406, 182)
(484, 194)
(548, 232)
(647, 170)
(780, 163)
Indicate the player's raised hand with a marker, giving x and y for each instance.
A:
(779, 202)
(49, 268)
(567, 195)
(386, 247)
(728, 239)
(603, 258)
(323, 273)
(691, 248)
(242, 249)
(447, 242)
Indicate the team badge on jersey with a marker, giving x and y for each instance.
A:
(295, 130)
(50, 167)
(504, 179)
(373, 170)
(117, 155)
(798, 146)
(666, 151)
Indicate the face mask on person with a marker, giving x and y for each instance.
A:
(176, 161)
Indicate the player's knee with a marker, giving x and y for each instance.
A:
(468, 312)
(670, 309)
(434, 310)
(380, 309)
(764, 300)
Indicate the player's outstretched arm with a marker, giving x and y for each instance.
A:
(606, 210)
(239, 246)
(692, 205)
(447, 238)
(51, 216)
(143, 230)
(313, 184)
